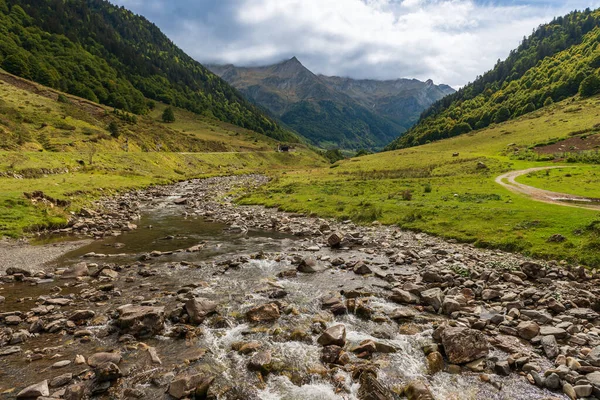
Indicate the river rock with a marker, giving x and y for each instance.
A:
(533, 270)
(371, 389)
(34, 391)
(261, 362)
(433, 297)
(418, 390)
(101, 358)
(335, 239)
(435, 363)
(331, 354)
(335, 335)
(552, 381)
(403, 297)
(107, 372)
(309, 265)
(528, 330)
(81, 315)
(76, 271)
(463, 345)
(550, 346)
(185, 384)
(199, 308)
(61, 380)
(141, 321)
(263, 313)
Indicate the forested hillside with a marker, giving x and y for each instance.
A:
(107, 54)
(559, 60)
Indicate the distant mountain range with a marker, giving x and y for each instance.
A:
(334, 112)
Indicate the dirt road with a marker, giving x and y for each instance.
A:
(508, 180)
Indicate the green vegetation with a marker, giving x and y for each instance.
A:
(107, 54)
(168, 115)
(429, 189)
(75, 150)
(576, 180)
(557, 61)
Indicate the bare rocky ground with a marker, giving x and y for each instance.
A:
(495, 316)
(21, 254)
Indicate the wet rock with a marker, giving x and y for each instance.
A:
(199, 308)
(34, 391)
(528, 330)
(403, 297)
(331, 354)
(371, 388)
(365, 349)
(435, 363)
(61, 364)
(18, 271)
(261, 362)
(61, 380)
(361, 269)
(101, 358)
(335, 335)
(107, 372)
(81, 315)
(334, 304)
(502, 368)
(141, 321)
(186, 384)
(418, 390)
(433, 297)
(309, 265)
(335, 239)
(264, 313)
(552, 381)
(75, 392)
(76, 271)
(463, 345)
(550, 346)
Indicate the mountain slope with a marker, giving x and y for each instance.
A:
(332, 111)
(107, 54)
(400, 100)
(548, 66)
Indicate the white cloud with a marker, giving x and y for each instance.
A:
(449, 41)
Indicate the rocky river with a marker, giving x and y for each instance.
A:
(184, 294)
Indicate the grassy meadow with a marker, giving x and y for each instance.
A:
(429, 189)
(65, 149)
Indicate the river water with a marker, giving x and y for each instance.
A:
(296, 373)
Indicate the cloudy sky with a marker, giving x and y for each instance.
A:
(449, 41)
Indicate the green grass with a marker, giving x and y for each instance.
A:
(576, 180)
(66, 151)
(451, 196)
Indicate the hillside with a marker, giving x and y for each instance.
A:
(76, 151)
(447, 188)
(549, 66)
(330, 111)
(107, 54)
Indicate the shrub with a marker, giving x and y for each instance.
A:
(63, 99)
(427, 188)
(168, 115)
(407, 195)
(113, 128)
(590, 86)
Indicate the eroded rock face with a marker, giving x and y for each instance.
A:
(463, 345)
(141, 321)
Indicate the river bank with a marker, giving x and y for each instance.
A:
(185, 292)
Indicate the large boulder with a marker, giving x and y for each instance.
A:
(101, 358)
(264, 313)
(141, 321)
(463, 345)
(199, 308)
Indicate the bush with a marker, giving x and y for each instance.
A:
(590, 86)
(168, 115)
(63, 99)
(548, 102)
(427, 188)
(407, 195)
(113, 128)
